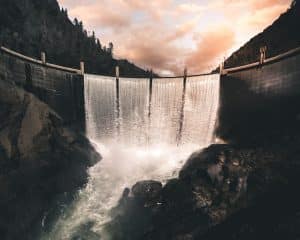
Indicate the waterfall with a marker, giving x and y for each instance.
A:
(141, 136)
(200, 109)
(141, 123)
(100, 105)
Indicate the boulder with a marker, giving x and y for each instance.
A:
(146, 189)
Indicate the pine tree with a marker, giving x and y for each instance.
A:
(110, 48)
(99, 45)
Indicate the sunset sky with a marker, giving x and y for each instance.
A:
(167, 35)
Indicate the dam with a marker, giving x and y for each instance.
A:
(145, 128)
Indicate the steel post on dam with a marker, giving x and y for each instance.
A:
(261, 101)
(60, 87)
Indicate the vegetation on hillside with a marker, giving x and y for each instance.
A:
(281, 36)
(32, 26)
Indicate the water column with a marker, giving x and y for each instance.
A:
(134, 108)
(200, 110)
(165, 110)
(100, 108)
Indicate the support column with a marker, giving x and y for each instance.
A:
(117, 83)
(117, 71)
(82, 67)
(184, 80)
(181, 120)
(150, 92)
(43, 57)
(262, 54)
(221, 68)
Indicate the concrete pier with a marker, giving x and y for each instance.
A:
(60, 87)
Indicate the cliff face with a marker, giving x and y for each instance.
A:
(40, 161)
(32, 26)
(281, 36)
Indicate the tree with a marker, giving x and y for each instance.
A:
(99, 45)
(81, 26)
(76, 23)
(93, 37)
(110, 48)
(64, 11)
(294, 3)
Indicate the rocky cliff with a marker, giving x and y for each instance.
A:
(41, 161)
(223, 192)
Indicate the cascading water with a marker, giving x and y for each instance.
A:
(140, 137)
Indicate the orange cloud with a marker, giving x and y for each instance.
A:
(149, 49)
(263, 17)
(97, 15)
(154, 8)
(260, 4)
(210, 48)
(253, 4)
(189, 8)
(159, 34)
(182, 30)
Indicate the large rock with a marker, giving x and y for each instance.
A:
(146, 189)
(214, 186)
(40, 161)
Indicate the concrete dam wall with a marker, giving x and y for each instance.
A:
(258, 102)
(61, 88)
(261, 101)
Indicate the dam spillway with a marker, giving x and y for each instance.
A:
(167, 117)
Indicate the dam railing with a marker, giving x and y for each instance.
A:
(263, 61)
(223, 71)
(42, 62)
(63, 87)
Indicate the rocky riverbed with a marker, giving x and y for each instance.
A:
(223, 191)
(41, 162)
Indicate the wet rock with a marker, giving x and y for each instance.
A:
(85, 232)
(125, 193)
(214, 185)
(146, 190)
(40, 159)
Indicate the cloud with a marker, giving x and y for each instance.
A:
(253, 4)
(210, 48)
(153, 8)
(97, 15)
(189, 8)
(234, 9)
(262, 4)
(263, 17)
(166, 34)
(148, 47)
(182, 30)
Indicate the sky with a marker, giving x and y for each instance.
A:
(169, 35)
